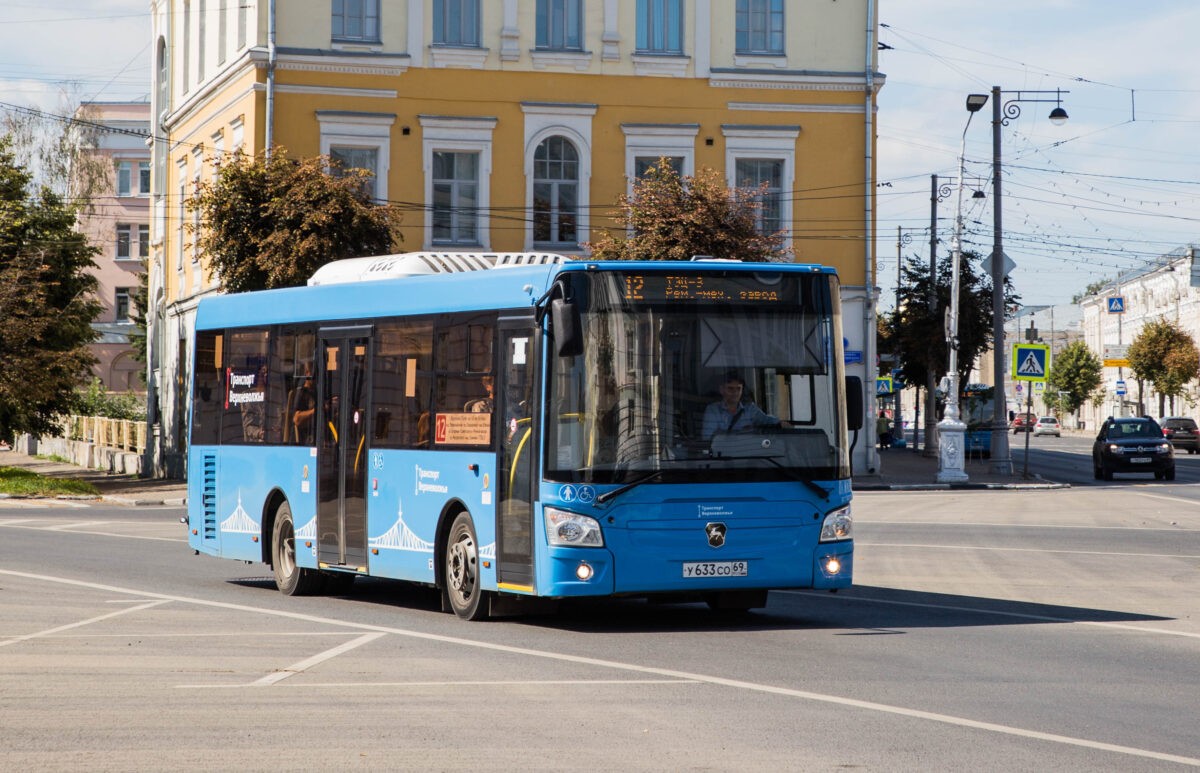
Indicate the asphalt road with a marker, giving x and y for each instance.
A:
(989, 630)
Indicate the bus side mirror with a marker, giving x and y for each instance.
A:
(854, 403)
(568, 332)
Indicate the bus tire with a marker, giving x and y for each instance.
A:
(289, 578)
(461, 566)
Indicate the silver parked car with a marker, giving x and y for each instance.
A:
(1047, 425)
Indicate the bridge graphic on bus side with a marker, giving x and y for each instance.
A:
(401, 537)
(240, 521)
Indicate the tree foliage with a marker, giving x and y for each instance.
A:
(59, 153)
(1075, 377)
(918, 328)
(1164, 355)
(272, 222)
(671, 217)
(47, 303)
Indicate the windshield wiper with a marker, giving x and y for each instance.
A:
(607, 495)
(813, 487)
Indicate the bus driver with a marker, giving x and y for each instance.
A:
(731, 413)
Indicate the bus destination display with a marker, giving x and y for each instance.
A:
(746, 288)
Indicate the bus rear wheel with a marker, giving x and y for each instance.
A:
(289, 578)
(462, 570)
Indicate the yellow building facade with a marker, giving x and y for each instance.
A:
(514, 125)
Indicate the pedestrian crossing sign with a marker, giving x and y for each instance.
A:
(883, 385)
(1031, 362)
(1116, 304)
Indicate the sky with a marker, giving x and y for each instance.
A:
(1115, 188)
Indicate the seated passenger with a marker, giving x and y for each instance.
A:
(483, 404)
(731, 414)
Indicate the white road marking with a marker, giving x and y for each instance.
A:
(882, 708)
(72, 528)
(69, 626)
(859, 543)
(304, 665)
(996, 612)
(449, 683)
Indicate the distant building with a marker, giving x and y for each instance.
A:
(118, 222)
(1168, 288)
(514, 125)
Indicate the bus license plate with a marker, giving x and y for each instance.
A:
(1140, 460)
(715, 568)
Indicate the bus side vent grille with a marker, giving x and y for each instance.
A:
(208, 496)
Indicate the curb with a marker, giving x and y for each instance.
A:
(145, 501)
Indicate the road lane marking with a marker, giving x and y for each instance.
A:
(859, 543)
(69, 626)
(450, 683)
(23, 523)
(304, 665)
(837, 700)
(995, 612)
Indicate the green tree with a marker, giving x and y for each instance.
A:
(272, 222)
(919, 327)
(1075, 376)
(1166, 356)
(47, 303)
(670, 217)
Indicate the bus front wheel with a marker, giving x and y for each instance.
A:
(462, 570)
(289, 578)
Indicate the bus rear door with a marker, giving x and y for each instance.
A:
(342, 411)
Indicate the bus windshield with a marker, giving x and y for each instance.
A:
(724, 375)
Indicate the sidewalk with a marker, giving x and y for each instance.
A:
(115, 488)
(902, 469)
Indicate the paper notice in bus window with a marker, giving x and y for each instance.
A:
(463, 429)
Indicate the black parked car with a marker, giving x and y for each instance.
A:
(1182, 432)
(1132, 445)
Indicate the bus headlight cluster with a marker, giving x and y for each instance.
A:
(572, 530)
(838, 525)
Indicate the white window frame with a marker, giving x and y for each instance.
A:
(126, 230)
(766, 142)
(361, 130)
(657, 140)
(365, 37)
(544, 120)
(450, 134)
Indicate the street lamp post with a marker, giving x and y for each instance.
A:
(1001, 115)
(951, 429)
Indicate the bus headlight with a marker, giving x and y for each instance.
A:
(838, 525)
(572, 530)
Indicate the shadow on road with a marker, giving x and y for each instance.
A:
(861, 610)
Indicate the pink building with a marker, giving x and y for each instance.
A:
(118, 222)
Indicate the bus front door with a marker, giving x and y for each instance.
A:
(341, 448)
(516, 460)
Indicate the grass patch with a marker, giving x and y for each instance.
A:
(23, 483)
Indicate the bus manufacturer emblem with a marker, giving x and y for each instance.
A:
(716, 534)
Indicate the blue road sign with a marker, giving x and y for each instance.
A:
(1031, 362)
(883, 385)
(1116, 304)
(1120, 387)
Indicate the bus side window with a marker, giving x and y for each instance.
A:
(401, 382)
(207, 389)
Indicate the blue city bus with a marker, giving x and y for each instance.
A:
(517, 429)
(977, 405)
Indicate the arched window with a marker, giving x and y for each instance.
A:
(555, 193)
